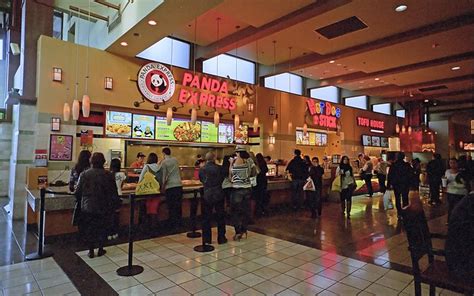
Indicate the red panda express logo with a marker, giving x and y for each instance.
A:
(156, 82)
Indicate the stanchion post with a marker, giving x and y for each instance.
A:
(192, 216)
(203, 247)
(41, 253)
(130, 269)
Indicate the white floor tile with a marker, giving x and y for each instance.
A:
(305, 288)
(250, 279)
(123, 283)
(181, 277)
(138, 290)
(195, 286)
(159, 284)
(342, 289)
(285, 280)
(356, 282)
(232, 287)
(269, 288)
(173, 291)
(216, 278)
(60, 289)
(380, 290)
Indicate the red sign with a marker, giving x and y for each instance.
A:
(156, 82)
(207, 84)
(372, 123)
(324, 114)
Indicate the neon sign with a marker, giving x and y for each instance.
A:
(372, 123)
(324, 114)
(202, 97)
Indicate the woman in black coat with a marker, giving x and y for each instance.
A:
(261, 188)
(97, 194)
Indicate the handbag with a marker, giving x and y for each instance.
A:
(336, 184)
(253, 181)
(76, 214)
(148, 185)
(387, 200)
(309, 185)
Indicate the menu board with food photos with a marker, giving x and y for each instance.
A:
(241, 134)
(143, 126)
(366, 140)
(311, 138)
(209, 132)
(181, 130)
(375, 141)
(226, 133)
(118, 124)
(384, 142)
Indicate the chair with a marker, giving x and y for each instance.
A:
(437, 273)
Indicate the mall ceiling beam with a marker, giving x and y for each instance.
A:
(108, 4)
(88, 13)
(251, 34)
(316, 59)
(359, 76)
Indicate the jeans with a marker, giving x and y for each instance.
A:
(297, 192)
(173, 200)
(453, 200)
(434, 190)
(382, 179)
(207, 209)
(368, 183)
(401, 198)
(240, 208)
(314, 202)
(346, 200)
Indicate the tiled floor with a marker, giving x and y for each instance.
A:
(41, 277)
(258, 265)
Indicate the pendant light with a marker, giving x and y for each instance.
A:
(86, 101)
(75, 103)
(66, 111)
(255, 120)
(216, 118)
(193, 116)
(275, 124)
(403, 129)
(409, 129)
(255, 124)
(75, 109)
(397, 128)
(275, 120)
(236, 121)
(169, 116)
(305, 128)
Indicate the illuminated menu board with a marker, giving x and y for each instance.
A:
(226, 133)
(209, 132)
(180, 130)
(366, 140)
(311, 138)
(241, 135)
(118, 124)
(143, 126)
(375, 141)
(384, 142)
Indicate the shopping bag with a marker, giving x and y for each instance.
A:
(387, 200)
(309, 185)
(336, 184)
(148, 185)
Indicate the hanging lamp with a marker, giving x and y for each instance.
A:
(66, 112)
(409, 129)
(305, 128)
(236, 121)
(86, 101)
(403, 129)
(216, 118)
(255, 120)
(169, 116)
(193, 116)
(75, 109)
(275, 124)
(397, 128)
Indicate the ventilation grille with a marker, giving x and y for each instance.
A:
(341, 28)
(433, 88)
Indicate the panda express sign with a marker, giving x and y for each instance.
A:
(156, 83)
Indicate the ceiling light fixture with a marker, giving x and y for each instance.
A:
(377, 79)
(152, 23)
(455, 68)
(401, 8)
(426, 100)
(123, 43)
(332, 62)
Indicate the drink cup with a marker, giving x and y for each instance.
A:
(444, 182)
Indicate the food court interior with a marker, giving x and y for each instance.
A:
(125, 81)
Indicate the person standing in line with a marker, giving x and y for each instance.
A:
(149, 208)
(240, 170)
(97, 194)
(299, 173)
(381, 171)
(211, 177)
(399, 178)
(226, 184)
(199, 161)
(316, 173)
(261, 188)
(326, 163)
(139, 162)
(347, 185)
(120, 177)
(173, 187)
(435, 171)
(456, 185)
(416, 165)
(366, 174)
(83, 163)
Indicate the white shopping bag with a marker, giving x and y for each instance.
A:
(387, 200)
(309, 185)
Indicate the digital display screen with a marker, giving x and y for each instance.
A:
(384, 142)
(366, 140)
(180, 130)
(209, 132)
(241, 135)
(311, 138)
(118, 124)
(226, 133)
(375, 141)
(143, 126)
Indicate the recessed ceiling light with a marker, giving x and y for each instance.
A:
(332, 62)
(426, 101)
(152, 23)
(123, 43)
(401, 8)
(377, 79)
(455, 68)
(339, 64)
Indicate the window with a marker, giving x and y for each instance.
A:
(400, 113)
(359, 102)
(225, 65)
(327, 93)
(169, 51)
(58, 25)
(285, 82)
(382, 108)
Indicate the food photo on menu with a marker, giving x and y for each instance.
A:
(143, 126)
(375, 141)
(242, 135)
(118, 124)
(179, 130)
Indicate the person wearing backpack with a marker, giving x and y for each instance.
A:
(400, 178)
(152, 204)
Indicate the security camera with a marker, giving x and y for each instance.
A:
(15, 48)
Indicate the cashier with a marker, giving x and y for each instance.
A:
(140, 162)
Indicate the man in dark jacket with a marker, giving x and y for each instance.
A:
(316, 173)
(211, 177)
(400, 177)
(435, 171)
(298, 170)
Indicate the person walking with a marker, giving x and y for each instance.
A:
(261, 188)
(83, 163)
(241, 169)
(456, 185)
(298, 170)
(211, 177)
(366, 174)
(347, 185)
(316, 173)
(173, 187)
(381, 171)
(399, 178)
(97, 194)
(435, 171)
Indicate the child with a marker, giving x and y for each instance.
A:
(120, 177)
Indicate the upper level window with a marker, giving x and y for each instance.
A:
(400, 113)
(169, 51)
(356, 102)
(58, 25)
(385, 108)
(231, 67)
(327, 93)
(285, 82)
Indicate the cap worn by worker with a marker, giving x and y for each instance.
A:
(140, 155)
(240, 148)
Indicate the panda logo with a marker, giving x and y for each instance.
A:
(158, 83)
